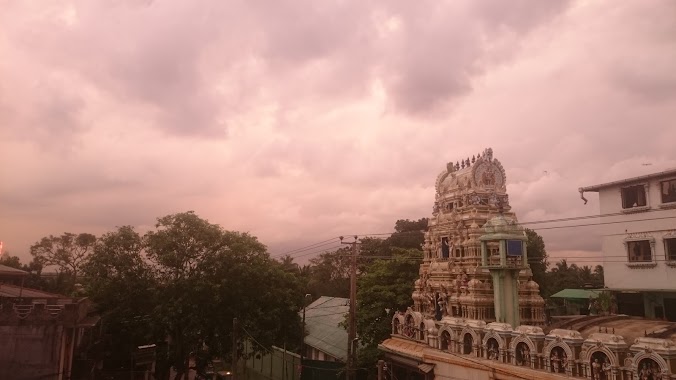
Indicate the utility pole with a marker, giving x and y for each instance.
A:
(352, 325)
(235, 327)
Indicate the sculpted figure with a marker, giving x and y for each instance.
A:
(605, 367)
(526, 355)
(596, 370)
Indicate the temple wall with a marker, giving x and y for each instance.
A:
(599, 356)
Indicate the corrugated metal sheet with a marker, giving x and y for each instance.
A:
(577, 294)
(322, 323)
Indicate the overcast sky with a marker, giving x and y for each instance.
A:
(298, 121)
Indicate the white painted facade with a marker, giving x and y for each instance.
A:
(638, 227)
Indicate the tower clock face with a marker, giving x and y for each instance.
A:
(487, 174)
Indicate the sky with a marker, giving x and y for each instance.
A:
(298, 121)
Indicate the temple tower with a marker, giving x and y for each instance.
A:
(505, 264)
(454, 280)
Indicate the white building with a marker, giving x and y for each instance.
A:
(638, 224)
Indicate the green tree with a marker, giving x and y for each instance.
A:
(537, 259)
(408, 234)
(384, 288)
(123, 287)
(330, 274)
(374, 248)
(11, 261)
(287, 264)
(207, 276)
(67, 252)
(598, 280)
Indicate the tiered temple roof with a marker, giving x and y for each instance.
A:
(471, 201)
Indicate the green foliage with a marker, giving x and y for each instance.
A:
(122, 285)
(408, 234)
(561, 275)
(184, 282)
(207, 277)
(11, 261)
(330, 274)
(565, 276)
(383, 289)
(67, 253)
(537, 258)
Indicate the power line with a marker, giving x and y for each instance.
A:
(530, 259)
(604, 223)
(323, 243)
(319, 251)
(305, 248)
(255, 341)
(562, 220)
(315, 251)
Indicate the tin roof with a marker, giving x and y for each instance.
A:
(577, 294)
(322, 324)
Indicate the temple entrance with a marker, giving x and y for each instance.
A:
(467, 343)
(558, 360)
(445, 340)
(409, 327)
(492, 349)
(599, 366)
(522, 354)
(648, 369)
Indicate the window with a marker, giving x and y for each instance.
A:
(633, 196)
(670, 249)
(639, 251)
(668, 191)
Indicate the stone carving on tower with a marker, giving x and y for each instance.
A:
(453, 280)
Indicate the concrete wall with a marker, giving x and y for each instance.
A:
(649, 222)
(30, 352)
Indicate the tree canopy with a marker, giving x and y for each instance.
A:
(383, 289)
(185, 281)
(537, 257)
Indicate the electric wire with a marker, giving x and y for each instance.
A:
(555, 220)
(307, 247)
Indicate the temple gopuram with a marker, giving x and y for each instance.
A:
(477, 313)
(471, 198)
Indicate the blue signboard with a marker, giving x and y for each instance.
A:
(514, 248)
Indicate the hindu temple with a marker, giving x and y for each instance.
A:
(475, 250)
(477, 314)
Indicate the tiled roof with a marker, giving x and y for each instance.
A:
(322, 324)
